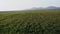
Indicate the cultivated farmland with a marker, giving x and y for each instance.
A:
(30, 22)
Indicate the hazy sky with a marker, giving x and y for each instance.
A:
(25, 4)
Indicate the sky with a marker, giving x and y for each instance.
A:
(6, 5)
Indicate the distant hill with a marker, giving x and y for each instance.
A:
(49, 7)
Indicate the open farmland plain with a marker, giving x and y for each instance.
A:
(30, 22)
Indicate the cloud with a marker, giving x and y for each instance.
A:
(25, 4)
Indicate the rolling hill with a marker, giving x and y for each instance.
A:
(41, 8)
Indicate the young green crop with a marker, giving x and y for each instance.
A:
(30, 22)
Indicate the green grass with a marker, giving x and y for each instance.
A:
(30, 22)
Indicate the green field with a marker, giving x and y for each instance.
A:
(30, 22)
